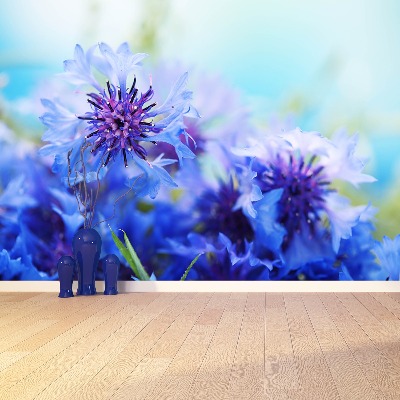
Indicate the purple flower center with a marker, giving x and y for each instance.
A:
(304, 187)
(119, 121)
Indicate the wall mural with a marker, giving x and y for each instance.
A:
(200, 142)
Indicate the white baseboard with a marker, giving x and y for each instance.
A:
(214, 286)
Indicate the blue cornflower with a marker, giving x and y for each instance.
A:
(303, 167)
(119, 119)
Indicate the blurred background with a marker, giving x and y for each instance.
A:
(324, 64)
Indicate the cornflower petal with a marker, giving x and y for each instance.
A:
(153, 176)
(78, 70)
(388, 254)
(122, 62)
(177, 100)
(60, 122)
(342, 217)
(343, 163)
(250, 192)
(267, 230)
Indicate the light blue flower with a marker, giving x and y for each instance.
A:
(119, 119)
(303, 166)
(32, 233)
(223, 114)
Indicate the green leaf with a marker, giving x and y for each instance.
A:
(184, 276)
(125, 253)
(141, 272)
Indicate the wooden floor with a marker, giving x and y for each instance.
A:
(200, 346)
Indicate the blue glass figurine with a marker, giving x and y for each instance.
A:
(111, 267)
(66, 267)
(86, 245)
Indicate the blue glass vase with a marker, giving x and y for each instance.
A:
(66, 267)
(111, 268)
(86, 245)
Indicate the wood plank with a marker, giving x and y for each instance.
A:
(142, 379)
(152, 367)
(350, 380)
(196, 346)
(389, 302)
(22, 296)
(76, 313)
(8, 358)
(386, 340)
(32, 384)
(281, 375)
(149, 327)
(382, 314)
(315, 378)
(11, 340)
(94, 361)
(395, 296)
(34, 360)
(377, 368)
(172, 340)
(51, 308)
(16, 310)
(42, 377)
(181, 372)
(247, 374)
(213, 376)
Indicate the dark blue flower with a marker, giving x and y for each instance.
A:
(222, 260)
(217, 213)
(36, 220)
(223, 227)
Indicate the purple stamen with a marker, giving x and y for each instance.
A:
(115, 120)
(125, 160)
(109, 89)
(304, 190)
(94, 104)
